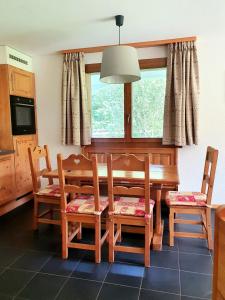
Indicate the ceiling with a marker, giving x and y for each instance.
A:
(46, 26)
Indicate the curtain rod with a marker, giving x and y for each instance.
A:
(135, 45)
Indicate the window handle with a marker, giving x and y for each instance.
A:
(128, 119)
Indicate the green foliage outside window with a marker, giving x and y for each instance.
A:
(147, 106)
(148, 95)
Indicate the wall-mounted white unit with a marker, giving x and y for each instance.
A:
(15, 58)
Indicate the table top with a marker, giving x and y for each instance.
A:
(159, 174)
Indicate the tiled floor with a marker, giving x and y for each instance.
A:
(31, 267)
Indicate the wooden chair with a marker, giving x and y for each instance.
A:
(50, 195)
(219, 255)
(198, 203)
(133, 208)
(86, 207)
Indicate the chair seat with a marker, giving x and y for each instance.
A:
(131, 206)
(50, 191)
(86, 205)
(174, 198)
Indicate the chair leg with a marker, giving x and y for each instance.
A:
(171, 227)
(111, 240)
(98, 239)
(209, 228)
(35, 216)
(119, 228)
(147, 243)
(79, 234)
(64, 237)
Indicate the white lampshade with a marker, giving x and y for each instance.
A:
(120, 65)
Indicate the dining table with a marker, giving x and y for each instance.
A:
(161, 177)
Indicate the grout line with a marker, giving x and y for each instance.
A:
(69, 276)
(194, 297)
(194, 253)
(139, 294)
(35, 273)
(117, 284)
(163, 292)
(103, 281)
(179, 270)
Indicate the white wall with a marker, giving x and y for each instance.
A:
(48, 71)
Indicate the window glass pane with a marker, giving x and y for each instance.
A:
(148, 95)
(107, 109)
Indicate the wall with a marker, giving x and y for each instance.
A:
(48, 70)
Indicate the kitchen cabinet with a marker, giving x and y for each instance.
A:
(21, 83)
(23, 178)
(7, 178)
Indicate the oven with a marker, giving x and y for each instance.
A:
(22, 115)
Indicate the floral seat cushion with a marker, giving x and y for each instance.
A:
(185, 198)
(52, 190)
(131, 206)
(85, 204)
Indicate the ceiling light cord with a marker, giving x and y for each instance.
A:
(119, 35)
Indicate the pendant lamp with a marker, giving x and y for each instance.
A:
(119, 63)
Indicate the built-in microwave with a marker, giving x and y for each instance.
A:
(22, 115)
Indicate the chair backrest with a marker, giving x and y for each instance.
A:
(35, 154)
(219, 255)
(78, 163)
(209, 173)
(127, 163)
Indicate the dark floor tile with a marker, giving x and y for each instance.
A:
(91, 270)
(79, 289)
(32, 260)
(160, 279)
(188, 228)
(193, 245)
(132, 258)
(112, 292)
(196, 263)
(153, 295)
(12, 281)
(165, 243)
(5, 297)
(9, 255)
(189, 217)
(135, 240)
(190, 298)
(166, 259)
(58, 266)
(125, 274)
(42, 286)
(195, 285)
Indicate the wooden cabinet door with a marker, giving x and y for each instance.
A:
(21, 83)
(7, 179)
(22, 167)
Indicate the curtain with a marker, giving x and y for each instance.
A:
(76, 112)
(182, 93)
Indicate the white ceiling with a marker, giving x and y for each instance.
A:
(46, 26)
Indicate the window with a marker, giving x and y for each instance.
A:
(147, 105)
(107, 109)
(129, 112)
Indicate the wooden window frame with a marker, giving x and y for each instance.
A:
(144, 64)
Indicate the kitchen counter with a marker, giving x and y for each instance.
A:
(5, 152)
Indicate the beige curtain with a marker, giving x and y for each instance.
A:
(76, 112)
(182, 93)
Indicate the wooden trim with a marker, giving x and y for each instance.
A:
(135, 45)
(143, 63)
(15, 203)
(154, 142)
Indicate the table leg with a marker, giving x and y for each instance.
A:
(159, 224)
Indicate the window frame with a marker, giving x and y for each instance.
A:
(144, 64)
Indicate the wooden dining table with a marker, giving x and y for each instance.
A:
(161, 176)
